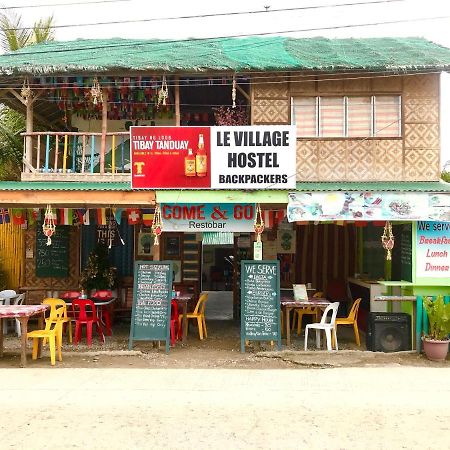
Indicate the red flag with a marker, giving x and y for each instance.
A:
(133, 216)
(18, 216)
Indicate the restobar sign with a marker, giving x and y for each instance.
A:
(248, 157)
(197, 217)
(433, 250)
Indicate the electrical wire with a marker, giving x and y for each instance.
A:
(60, 4)
(203, 16)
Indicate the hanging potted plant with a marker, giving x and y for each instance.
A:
(435, 343)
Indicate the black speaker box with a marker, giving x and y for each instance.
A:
(388, 332)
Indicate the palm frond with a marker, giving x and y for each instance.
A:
(43, 30)
(13, 35)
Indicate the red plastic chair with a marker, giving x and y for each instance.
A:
(174, 327)
(104, 313)
(86, 314)
(70, 295)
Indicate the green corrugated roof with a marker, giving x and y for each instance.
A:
(235, 54)
(377, 186)
(63, 186)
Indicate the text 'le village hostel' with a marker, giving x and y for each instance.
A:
(253, 159)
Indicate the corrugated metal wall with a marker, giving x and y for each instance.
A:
(11, 254)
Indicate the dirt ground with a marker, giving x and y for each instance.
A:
(220, 350)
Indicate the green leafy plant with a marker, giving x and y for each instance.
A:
(439, 317)
(98, 274)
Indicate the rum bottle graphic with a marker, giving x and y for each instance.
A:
(189, 164)
(201, 159)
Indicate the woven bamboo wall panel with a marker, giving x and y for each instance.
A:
(11, 256)
(30, 278)
(388, 156)
(422, 164)
(421, 85)
(360, 160)
(307, 160)
(279, 88)
(387, 84)
(421, 110)
(332, 160)
(271, 111)
(421, 135)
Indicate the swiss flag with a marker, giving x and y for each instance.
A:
(133, 216)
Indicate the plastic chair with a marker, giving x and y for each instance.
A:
(308, 311)
(199, 315)
(54, 304)
(52, 332)
(85, 314)
(7, 295)
(324, 324)
(70, 295)
(104, 314)
(19, 301)
(352, 320)
(174, 324)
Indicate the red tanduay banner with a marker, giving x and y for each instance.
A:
(170, 157)
(244, 157)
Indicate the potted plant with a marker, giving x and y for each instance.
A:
(435, 343)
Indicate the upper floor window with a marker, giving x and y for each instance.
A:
(370, 116)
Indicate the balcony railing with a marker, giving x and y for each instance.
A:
(76, 156)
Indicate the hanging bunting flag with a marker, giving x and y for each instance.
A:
(18, 216)
(117, 212)
(133, 216)
(4, 216)
(147, 217)
(34, 215)
(268, 218)
(83, 216)
(101, 216)
(65, 216)
(280, 215)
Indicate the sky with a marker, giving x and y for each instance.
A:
(303, 23)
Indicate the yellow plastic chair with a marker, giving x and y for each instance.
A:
(199, 315)
(52, 332)
(308, 311)
(56, 303)
(352, 319)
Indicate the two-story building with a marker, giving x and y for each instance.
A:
(367, 120)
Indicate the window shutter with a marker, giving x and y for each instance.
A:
(331, 116)
(387, 116)
(359, 116)
(305, 116)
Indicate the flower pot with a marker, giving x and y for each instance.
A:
(435, 350)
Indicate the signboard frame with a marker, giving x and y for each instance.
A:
(60, 247)
(166, 336)
(277, 299)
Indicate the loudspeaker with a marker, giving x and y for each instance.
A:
(388, 332)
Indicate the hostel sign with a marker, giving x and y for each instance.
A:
(197, 217)
(433, 250)
(247, 157)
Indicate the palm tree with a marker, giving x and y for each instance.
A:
(14, 36)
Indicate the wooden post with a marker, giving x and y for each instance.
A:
(156, 250)
(104, 129)
(177, 102)
(29, 139)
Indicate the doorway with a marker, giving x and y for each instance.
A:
(217, 279)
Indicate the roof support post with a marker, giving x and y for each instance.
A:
(29, 138)
(177, 102)
(104, 130)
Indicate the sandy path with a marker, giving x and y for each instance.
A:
(371, 408)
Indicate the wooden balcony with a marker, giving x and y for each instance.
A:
(76, 156)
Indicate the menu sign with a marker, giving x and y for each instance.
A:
(260, 302)
(52, 260)
(150, 317)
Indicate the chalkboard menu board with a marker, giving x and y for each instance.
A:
(52, 260)
(402, 252)
(152, 295)
(260, 302)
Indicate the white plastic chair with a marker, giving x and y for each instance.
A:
(18, 301)
(324, 324)
(7, 295)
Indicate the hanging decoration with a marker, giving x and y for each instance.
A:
(233, 92)
(163, 93)
(26, 93)
(387, 239)
(157, 225)
(259, 223)
(48, 227)
(96, 92)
